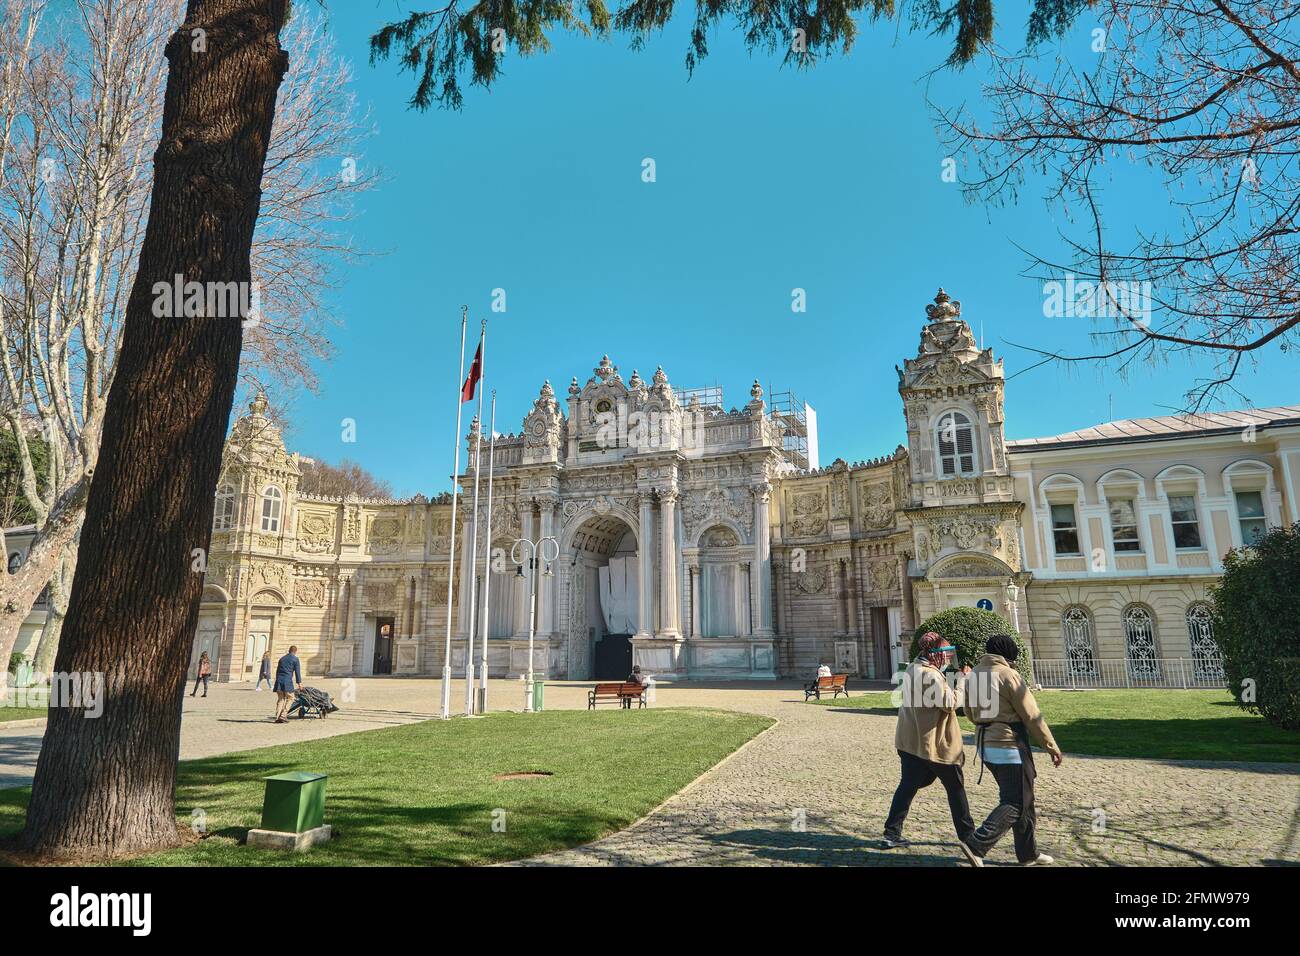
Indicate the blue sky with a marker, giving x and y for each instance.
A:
(768, 179)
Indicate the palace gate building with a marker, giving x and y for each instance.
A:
(691, 542)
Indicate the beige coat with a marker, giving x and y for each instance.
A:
(996, 694)
(927, 716)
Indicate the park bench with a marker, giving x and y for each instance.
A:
(623, 693)
(834, 685)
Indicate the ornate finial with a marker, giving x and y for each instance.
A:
(548, 393)
(574, 391)
(660, 377)
(944, 308)
(259, 404)
(635, 380)
(604, 370)
(756, 391)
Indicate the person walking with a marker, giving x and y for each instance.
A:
(928, 739)
(264, 671)
(202, 674)
(288, 678)
(1006, 717)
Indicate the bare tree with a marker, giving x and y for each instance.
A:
(1201, 100)
(336, 481)
(71, 222)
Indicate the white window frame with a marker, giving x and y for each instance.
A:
(223, 510)
(272, 509)
(1078, 536)
(940, 426)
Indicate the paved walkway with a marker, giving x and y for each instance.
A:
(815, 788)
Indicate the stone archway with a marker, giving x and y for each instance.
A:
(602, 545)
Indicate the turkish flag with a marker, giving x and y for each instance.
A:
(475, 373)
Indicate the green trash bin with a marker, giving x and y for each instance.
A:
(294, 802)
(538, 686)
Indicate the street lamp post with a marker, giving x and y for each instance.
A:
(547, 549)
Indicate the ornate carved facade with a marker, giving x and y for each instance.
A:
(688, 539)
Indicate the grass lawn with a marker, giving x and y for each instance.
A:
(20, 713)
(424, 794)
(1157, 724)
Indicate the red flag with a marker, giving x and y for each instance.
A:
(475, 373)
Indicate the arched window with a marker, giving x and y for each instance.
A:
(15, 562)
(956, 443)
(1140, 643)
(1207, 660)
(223, 514)
(1076, 633)
(272, 499)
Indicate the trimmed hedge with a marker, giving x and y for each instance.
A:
(1257, 625)
(968, 629)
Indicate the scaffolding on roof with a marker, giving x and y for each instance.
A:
(709, 396)
(798, 439)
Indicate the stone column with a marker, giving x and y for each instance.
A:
(545, 584)
(761, 576)
(745, 579)
(909, 621)
(695, 599)
(851, 577)
(669, 625)
(521, 584)
(645, 561)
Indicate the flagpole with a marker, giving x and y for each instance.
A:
(473, 544)
(487, 566)
(455, 495)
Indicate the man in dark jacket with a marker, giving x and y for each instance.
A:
(288, 678)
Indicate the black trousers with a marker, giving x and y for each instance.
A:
(200, 680)
(1015, 811)
(919, 774)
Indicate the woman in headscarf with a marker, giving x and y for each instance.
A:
(928, 738)
(1006, 718)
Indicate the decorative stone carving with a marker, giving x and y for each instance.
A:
(719, 536)
(704, 507)
(812, 581)
(884, 576)
(384, 535)
(352, 524)
(315, 532)
(382, 595)
(971, 568)
(877, 506)
(808, 514)
(840, 490)
(310, 592)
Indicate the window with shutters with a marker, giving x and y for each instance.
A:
(956, 443)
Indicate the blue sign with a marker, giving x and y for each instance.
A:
(984, 604)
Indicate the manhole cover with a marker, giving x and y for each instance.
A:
(523, 775)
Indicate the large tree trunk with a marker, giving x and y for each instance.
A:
(107, 786)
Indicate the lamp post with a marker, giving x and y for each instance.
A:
(1013, 593)
(547, 549)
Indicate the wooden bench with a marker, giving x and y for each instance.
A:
(834, 685)
(623, 693)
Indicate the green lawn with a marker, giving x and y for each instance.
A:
(1158, 724)
(8, 714)
(424, 794)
